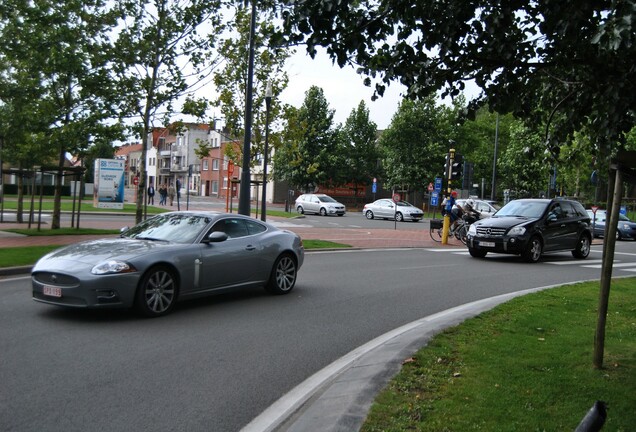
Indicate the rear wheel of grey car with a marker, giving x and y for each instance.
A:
(533, 250)
(300, 210)
(157, 292)
(582, 247)
(323, 211)
(399, 217)
(283, 277)
(477, 253)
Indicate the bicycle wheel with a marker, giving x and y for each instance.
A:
(462, 233)
(436, 234)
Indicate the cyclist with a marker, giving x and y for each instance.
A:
(471, 214)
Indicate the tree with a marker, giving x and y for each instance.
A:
(360, 145)
(306, 157)
(162, 55)
(524, 169)
(415, 144)
(56, 50)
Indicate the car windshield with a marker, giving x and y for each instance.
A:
(528, 209)
(404, 204)
(325, 198)
(178, 228)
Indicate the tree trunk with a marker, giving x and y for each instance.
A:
(609, 243)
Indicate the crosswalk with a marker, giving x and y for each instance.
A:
(587, 263)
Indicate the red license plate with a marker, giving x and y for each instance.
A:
(52, 291)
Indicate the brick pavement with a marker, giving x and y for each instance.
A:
(403, 236)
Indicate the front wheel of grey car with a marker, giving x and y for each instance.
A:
(283, 277)
(157, 292)
(582, 247)
(533, 250)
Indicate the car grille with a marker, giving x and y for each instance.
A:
(491, 232)
(57, 279)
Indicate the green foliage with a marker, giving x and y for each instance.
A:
(523, 167)
(360, 148)
(416, 143)
(308, 156)
(563, 65)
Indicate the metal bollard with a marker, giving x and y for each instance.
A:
(594, 419)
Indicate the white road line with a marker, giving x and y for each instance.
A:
(598, 261)
(598, 266)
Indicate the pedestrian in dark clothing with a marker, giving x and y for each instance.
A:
(151, 195)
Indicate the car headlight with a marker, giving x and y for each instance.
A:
(517, 231)
(625, 226)
(112, 267)
(472, 229)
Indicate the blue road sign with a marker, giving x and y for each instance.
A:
(434, 198)
(374, 187)
(438, 184)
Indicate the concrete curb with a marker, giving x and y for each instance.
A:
(338, 398)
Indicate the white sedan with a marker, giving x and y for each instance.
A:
(387, 209)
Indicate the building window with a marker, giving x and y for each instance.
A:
(215, 187)
(205, 164)
(215, 165)
(215, 143)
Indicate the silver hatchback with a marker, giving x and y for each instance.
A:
(320, 204)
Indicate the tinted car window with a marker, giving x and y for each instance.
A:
(234, 228)
(255, 227)
(529, 209)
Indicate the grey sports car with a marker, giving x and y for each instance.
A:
(168, 257)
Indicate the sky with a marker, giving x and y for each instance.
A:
(343, 88)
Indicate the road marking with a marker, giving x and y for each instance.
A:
(454, 249)
(598, 266)
(598, 261)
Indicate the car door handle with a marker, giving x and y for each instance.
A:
(250, 247)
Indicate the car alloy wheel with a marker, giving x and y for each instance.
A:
(399, 217)
(582, 247)
(369, 214)
(283, 277)
(157, 292)
(533, 250)
(300, 210)
(323, 211)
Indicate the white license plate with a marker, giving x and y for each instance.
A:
(52, 291)
(487, 244)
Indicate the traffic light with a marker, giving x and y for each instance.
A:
(446, 165)
(457, 167)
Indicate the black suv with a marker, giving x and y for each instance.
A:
(530, 227)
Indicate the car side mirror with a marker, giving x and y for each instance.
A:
(551, 218)
(216, 237)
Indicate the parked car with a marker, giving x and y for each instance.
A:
(169, 257)
(530, 227)
(626, 229)
(320, 204)
(387, 209)
(484, 207)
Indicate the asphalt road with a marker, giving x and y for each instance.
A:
(215, 364)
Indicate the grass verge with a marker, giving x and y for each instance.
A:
(523, 366)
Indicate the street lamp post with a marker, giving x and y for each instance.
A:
(244, 196)
(268, 104)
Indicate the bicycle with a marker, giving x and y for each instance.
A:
(460, 232)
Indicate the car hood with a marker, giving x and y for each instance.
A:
(504, 221)
(96, 251)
